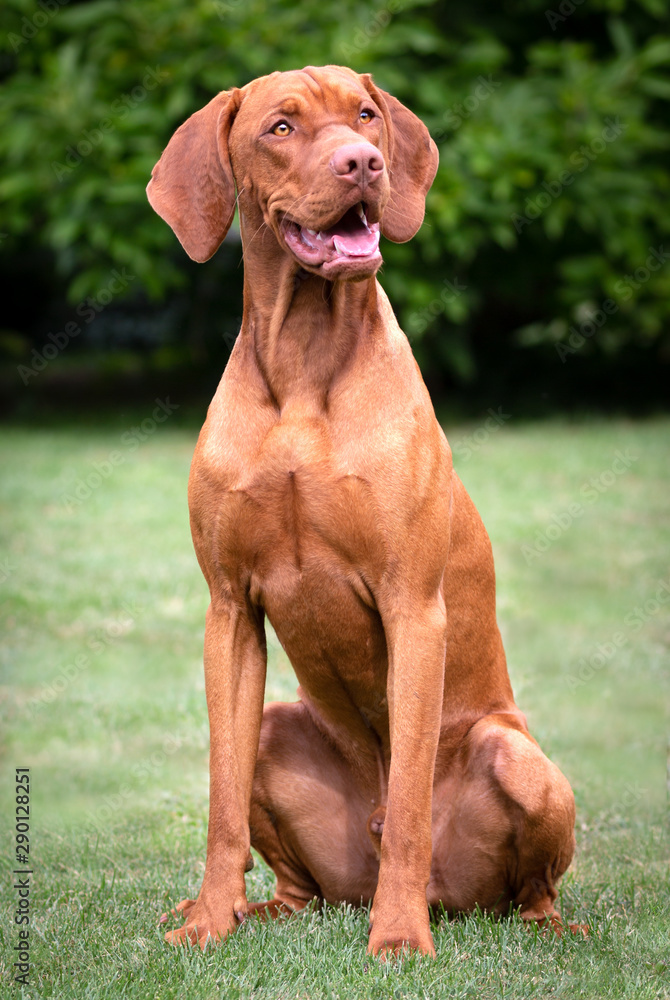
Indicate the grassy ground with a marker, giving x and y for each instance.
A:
(102, 615)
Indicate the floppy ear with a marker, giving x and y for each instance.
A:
(413, 161)
(192, 185)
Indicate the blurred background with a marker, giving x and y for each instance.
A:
(540, 279)
(536, 297)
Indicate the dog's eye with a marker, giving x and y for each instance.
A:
(366, 116)
(281, 128)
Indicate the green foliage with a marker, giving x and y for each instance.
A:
(552, 125)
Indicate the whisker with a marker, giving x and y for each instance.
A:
(291, 207)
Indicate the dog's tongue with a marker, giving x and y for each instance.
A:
(351, 236)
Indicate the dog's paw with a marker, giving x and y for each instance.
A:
(385, 948)
(552, 923)
(401, 938)
(582, 929)
(202, 927)
(181, 909)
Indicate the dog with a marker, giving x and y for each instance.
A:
(322, 495)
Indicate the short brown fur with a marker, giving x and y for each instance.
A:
(322, 495)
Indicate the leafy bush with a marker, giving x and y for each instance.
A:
(545, 224)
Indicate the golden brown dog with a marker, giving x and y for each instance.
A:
(322, 495)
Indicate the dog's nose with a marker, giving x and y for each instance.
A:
(358, 162)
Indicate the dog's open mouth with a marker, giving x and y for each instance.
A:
(352, 239)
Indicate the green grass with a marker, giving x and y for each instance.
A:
(117, 743)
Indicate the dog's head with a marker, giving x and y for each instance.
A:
(327, 158)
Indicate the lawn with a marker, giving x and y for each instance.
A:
(103, 699)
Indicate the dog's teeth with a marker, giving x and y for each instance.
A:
(312, 232)
(319, 237)
(361, 213)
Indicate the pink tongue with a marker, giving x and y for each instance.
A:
(358, 245)
(351, 236)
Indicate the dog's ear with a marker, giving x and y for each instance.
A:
(192, 185)
(413, 161)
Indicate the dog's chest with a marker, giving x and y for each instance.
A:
(293, 503)
(296, 530)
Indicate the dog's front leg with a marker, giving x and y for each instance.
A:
(235, 663)
(416, 641)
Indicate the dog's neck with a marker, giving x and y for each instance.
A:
(304, 329)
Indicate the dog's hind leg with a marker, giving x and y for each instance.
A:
(503, 822)
(308, 816)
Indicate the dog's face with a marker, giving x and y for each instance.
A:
(328, 160)
(314, 147)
